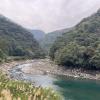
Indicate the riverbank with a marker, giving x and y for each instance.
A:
(6, 66)
(47, 67)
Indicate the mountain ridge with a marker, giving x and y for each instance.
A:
(16, 40)
(80, 47)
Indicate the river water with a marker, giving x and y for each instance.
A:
(69, 88)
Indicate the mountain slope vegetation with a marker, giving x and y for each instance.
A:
(50, 38)
(17, 41)
(81, 46)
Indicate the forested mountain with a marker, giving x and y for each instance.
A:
(49, 38)
(81, 46)
(38, 34)
(17, 41)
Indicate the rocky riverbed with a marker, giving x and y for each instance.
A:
(45, 67)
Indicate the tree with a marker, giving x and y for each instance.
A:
(95, 60)
(75, 55)
(2, 56)
(70, 55)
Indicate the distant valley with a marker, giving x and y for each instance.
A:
(46, 40)
(38, 34)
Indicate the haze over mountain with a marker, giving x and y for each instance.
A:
(38, 34)
(48, 15)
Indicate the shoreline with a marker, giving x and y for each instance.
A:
(47, 67)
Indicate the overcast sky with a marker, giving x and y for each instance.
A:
(48, 15)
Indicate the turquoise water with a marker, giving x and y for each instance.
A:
(76, 89)
(69, 88)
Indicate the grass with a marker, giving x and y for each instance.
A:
(18, 90)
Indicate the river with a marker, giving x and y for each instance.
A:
(70, 88)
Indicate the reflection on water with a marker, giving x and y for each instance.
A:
(70, 88)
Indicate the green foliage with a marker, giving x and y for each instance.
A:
(69, 54)
(2, 56)
(95, 59)
(81, 46)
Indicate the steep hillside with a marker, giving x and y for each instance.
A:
(38, 34)
(81, 46)
(17, 41)
(49, 38)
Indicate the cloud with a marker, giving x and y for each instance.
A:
(48, 15)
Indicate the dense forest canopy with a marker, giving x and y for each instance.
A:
(81, 46)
